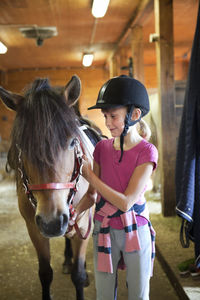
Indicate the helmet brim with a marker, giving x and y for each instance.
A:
(104, 106)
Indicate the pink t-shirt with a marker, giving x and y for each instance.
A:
(117, 175)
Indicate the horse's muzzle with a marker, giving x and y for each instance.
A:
(54, 227)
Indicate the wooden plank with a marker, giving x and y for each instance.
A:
(171, 275)
(3, 77)
(165, 77)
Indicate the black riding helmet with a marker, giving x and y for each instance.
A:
(123, 91)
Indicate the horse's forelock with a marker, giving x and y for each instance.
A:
(39, 84)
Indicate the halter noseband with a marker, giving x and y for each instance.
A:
(51, 186)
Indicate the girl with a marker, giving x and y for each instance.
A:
(122, 167)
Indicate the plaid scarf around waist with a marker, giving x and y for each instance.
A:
(108, 211)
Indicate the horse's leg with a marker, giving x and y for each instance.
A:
(79, 275)
(68, 254)
(41, 245)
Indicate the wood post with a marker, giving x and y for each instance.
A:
(123, 61)
(165, 74)
(137, 52)
(113, 67)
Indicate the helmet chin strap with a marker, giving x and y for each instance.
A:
(127, 123)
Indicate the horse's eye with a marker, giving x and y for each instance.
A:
(73, 143)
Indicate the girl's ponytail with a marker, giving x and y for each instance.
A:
(143, 129)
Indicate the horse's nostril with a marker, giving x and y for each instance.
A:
(38, 220)
(65, 218)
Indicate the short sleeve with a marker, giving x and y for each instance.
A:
(148, 154)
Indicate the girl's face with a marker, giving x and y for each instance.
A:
(114, 120)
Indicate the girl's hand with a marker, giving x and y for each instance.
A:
(86, 167)
(73, 216)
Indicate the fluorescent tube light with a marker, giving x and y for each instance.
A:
(3, 48)
(99, 8)
(87, 59)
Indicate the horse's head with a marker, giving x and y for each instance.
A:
(43, 148)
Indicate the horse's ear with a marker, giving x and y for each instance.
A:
(10, 99)
(72, 90)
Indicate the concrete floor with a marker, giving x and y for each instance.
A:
(18, 263)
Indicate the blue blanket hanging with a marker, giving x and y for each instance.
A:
(188, 154)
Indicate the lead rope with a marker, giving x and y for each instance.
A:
(75, 225)
(24, 180)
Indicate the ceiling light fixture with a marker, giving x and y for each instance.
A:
(99, 8)
(39, 33)
(87, 59)
(3, 48)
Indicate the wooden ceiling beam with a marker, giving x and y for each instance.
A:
(140, 16)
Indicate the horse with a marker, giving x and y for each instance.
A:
(47, 145)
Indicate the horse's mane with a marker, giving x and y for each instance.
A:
(44, 122)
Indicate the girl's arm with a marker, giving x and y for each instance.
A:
(136, 185)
